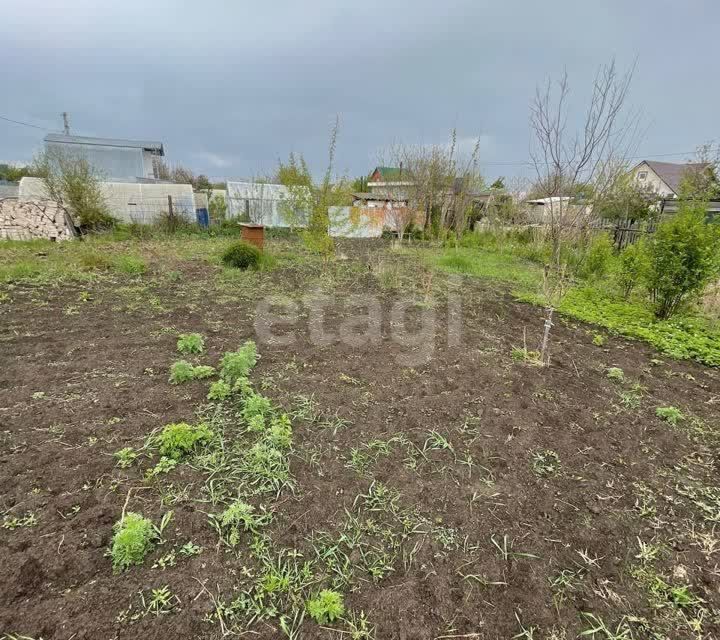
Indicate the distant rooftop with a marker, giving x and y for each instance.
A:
(156, 147)
(672, 173)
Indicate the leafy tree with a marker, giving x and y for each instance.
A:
(13, 173)
(684, 256)
(360, 184)
(626, 200)
(71, 180)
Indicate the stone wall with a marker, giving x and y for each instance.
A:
(29, 219)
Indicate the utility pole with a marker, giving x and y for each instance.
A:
(66, 123)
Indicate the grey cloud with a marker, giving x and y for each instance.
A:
(230, 87)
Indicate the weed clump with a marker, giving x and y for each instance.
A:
(133, 539)
(616, 374)
(183, 371)
(241, 255)
(673, 415)
(545, 462)
(178, 440)
(219, 390)
(326, 607)
(125, 457)
(190, 343)
(237, 364)
(238, 517)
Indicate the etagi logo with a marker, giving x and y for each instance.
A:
(358, 321)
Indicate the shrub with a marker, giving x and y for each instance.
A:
(133, 539)
(326, 607)
(241, 255)
(598, 257)
(237, 364)
(673, 415)
(183, 371)
(179, 439)
(190, 343)
(683, 258)
(632, 267)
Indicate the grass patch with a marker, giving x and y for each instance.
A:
(501, 267)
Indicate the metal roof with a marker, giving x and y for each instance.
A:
(106, 142)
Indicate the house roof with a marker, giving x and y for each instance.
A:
(388, 173)
(106, 142)
(671, 173)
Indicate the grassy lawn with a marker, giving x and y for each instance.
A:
(687, 336)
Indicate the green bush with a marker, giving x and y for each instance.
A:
(598, 257)
(133, 539)
(241, 255)
(632, 267)
(190, 343)
(179, 439)
(237, 364)
(683, 259)
(326, 607)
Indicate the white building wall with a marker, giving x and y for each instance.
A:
(651, 181)
(130, 201)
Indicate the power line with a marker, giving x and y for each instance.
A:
(25, 124)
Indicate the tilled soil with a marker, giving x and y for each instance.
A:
(84, 373)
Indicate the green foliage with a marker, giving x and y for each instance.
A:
(133, 539)
(179, 439)
(238, 517)
(241, 255)
(125, 457)
(598, 258)
(217, 208)
(326, 607)
(598, 340)
(673, 415)
(280, 433)
(183, 371)
(70, 179)
(219, 390)
(255, 405)
(690, 337)
(190, 343)
(131, 265)
(237, 364)
(632, 267)
(545, 462)
(683, 259)
(616, 374)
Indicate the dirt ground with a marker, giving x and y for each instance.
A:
(84, 373)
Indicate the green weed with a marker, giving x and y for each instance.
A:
(326, 607)
(125, 457)
(177, 440)
(189, 343)
(672, 415)
(238, 364)
(545, 462)
(183, 371)
(616, 374)
(133, 539)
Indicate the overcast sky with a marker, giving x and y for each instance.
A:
(229, 87)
